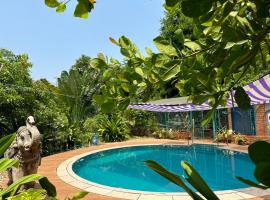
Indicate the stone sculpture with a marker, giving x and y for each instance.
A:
(26, 148)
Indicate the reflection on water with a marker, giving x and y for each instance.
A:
(124, 167)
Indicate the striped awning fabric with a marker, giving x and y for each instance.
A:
(258, 91)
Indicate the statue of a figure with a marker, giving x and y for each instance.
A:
(26, 148)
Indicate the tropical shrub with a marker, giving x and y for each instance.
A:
(113, 128)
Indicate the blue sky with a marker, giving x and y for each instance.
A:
(54, 41)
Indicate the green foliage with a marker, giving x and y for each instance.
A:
(71, 85)
(30, 194)
(141, 123)
(231, 41)
(193, 178)
(6, 163)
(164, 46)
(20, 96)
(113, 128)
(77, 196)
(197, 182)
(15, 96)
(175, 27)
(14, 187)
(82, 9)
(77, 88)
(5, 142)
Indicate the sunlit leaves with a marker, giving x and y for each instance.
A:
(82, 9)
(179, 35)
(207, 119)
(171, 177)
(113, 41)
(14, 187)
(52, 3)
(5, 142)
(139, 71)
(6, 163)
(197, 181)
(30, 194)
(98, 63)
(124, 42)
(164, 46)
(61, 8)
(78, 196)
(173, 70)
(192, 45)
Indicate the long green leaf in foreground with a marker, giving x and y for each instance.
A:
(78, 196)
(197, 181)
(7, 163)
(5, 142)
(44, 182)
(171, 177)
(48, 186)
(251, 183)
(30, 194)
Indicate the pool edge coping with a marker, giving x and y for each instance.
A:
(65, 173)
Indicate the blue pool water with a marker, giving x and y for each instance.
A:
(124, 167)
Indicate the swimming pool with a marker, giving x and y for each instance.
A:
(124, 167)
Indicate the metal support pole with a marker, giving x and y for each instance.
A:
(214, 125)
(193, 129)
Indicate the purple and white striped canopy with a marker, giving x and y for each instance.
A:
(258, 91)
